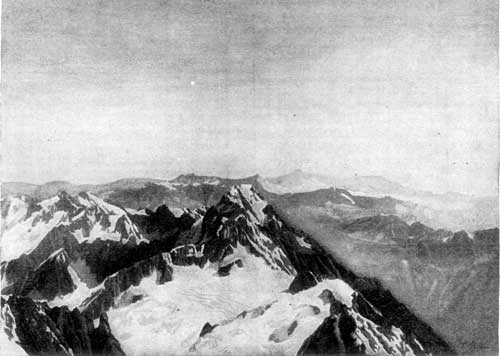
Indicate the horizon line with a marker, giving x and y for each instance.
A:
(257, 175)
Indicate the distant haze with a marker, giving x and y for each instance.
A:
(98, 90)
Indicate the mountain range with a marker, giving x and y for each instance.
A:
(206, 265)
(449, 210)
(453, 211)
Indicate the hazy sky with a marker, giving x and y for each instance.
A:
(99, 90)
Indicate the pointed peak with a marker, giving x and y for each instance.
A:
(246, 197)
(246, 191)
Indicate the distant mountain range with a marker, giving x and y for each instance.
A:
(452, 211)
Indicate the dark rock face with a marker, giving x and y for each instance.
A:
(59, 331)
(343, 323)
(302, 281)
(20, 270)
(51, 278)
(103, 342)
(207, 328)
(160, 221)
(347, 325)
(37, 332)
(104, 298)
(74, 329)
(322, 342)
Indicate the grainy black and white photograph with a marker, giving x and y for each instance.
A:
(249, 177)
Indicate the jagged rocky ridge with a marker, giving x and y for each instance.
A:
(236, 237)
(42, 330)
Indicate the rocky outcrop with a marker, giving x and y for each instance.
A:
(104, 298)
(302, 281)
(58, 331)
(322, 341)
(207, 328)
(18, 271)
(336, 334)
(103, 341)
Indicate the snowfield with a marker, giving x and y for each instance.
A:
(25, 236)
(253, 313)
(171, 316)
(22, 234)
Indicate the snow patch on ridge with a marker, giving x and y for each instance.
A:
(302, 242)
(135, 212)
(348, 198)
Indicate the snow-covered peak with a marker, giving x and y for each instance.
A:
(101, 220)
(249, 199)
(241, 230)
(85, 215)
